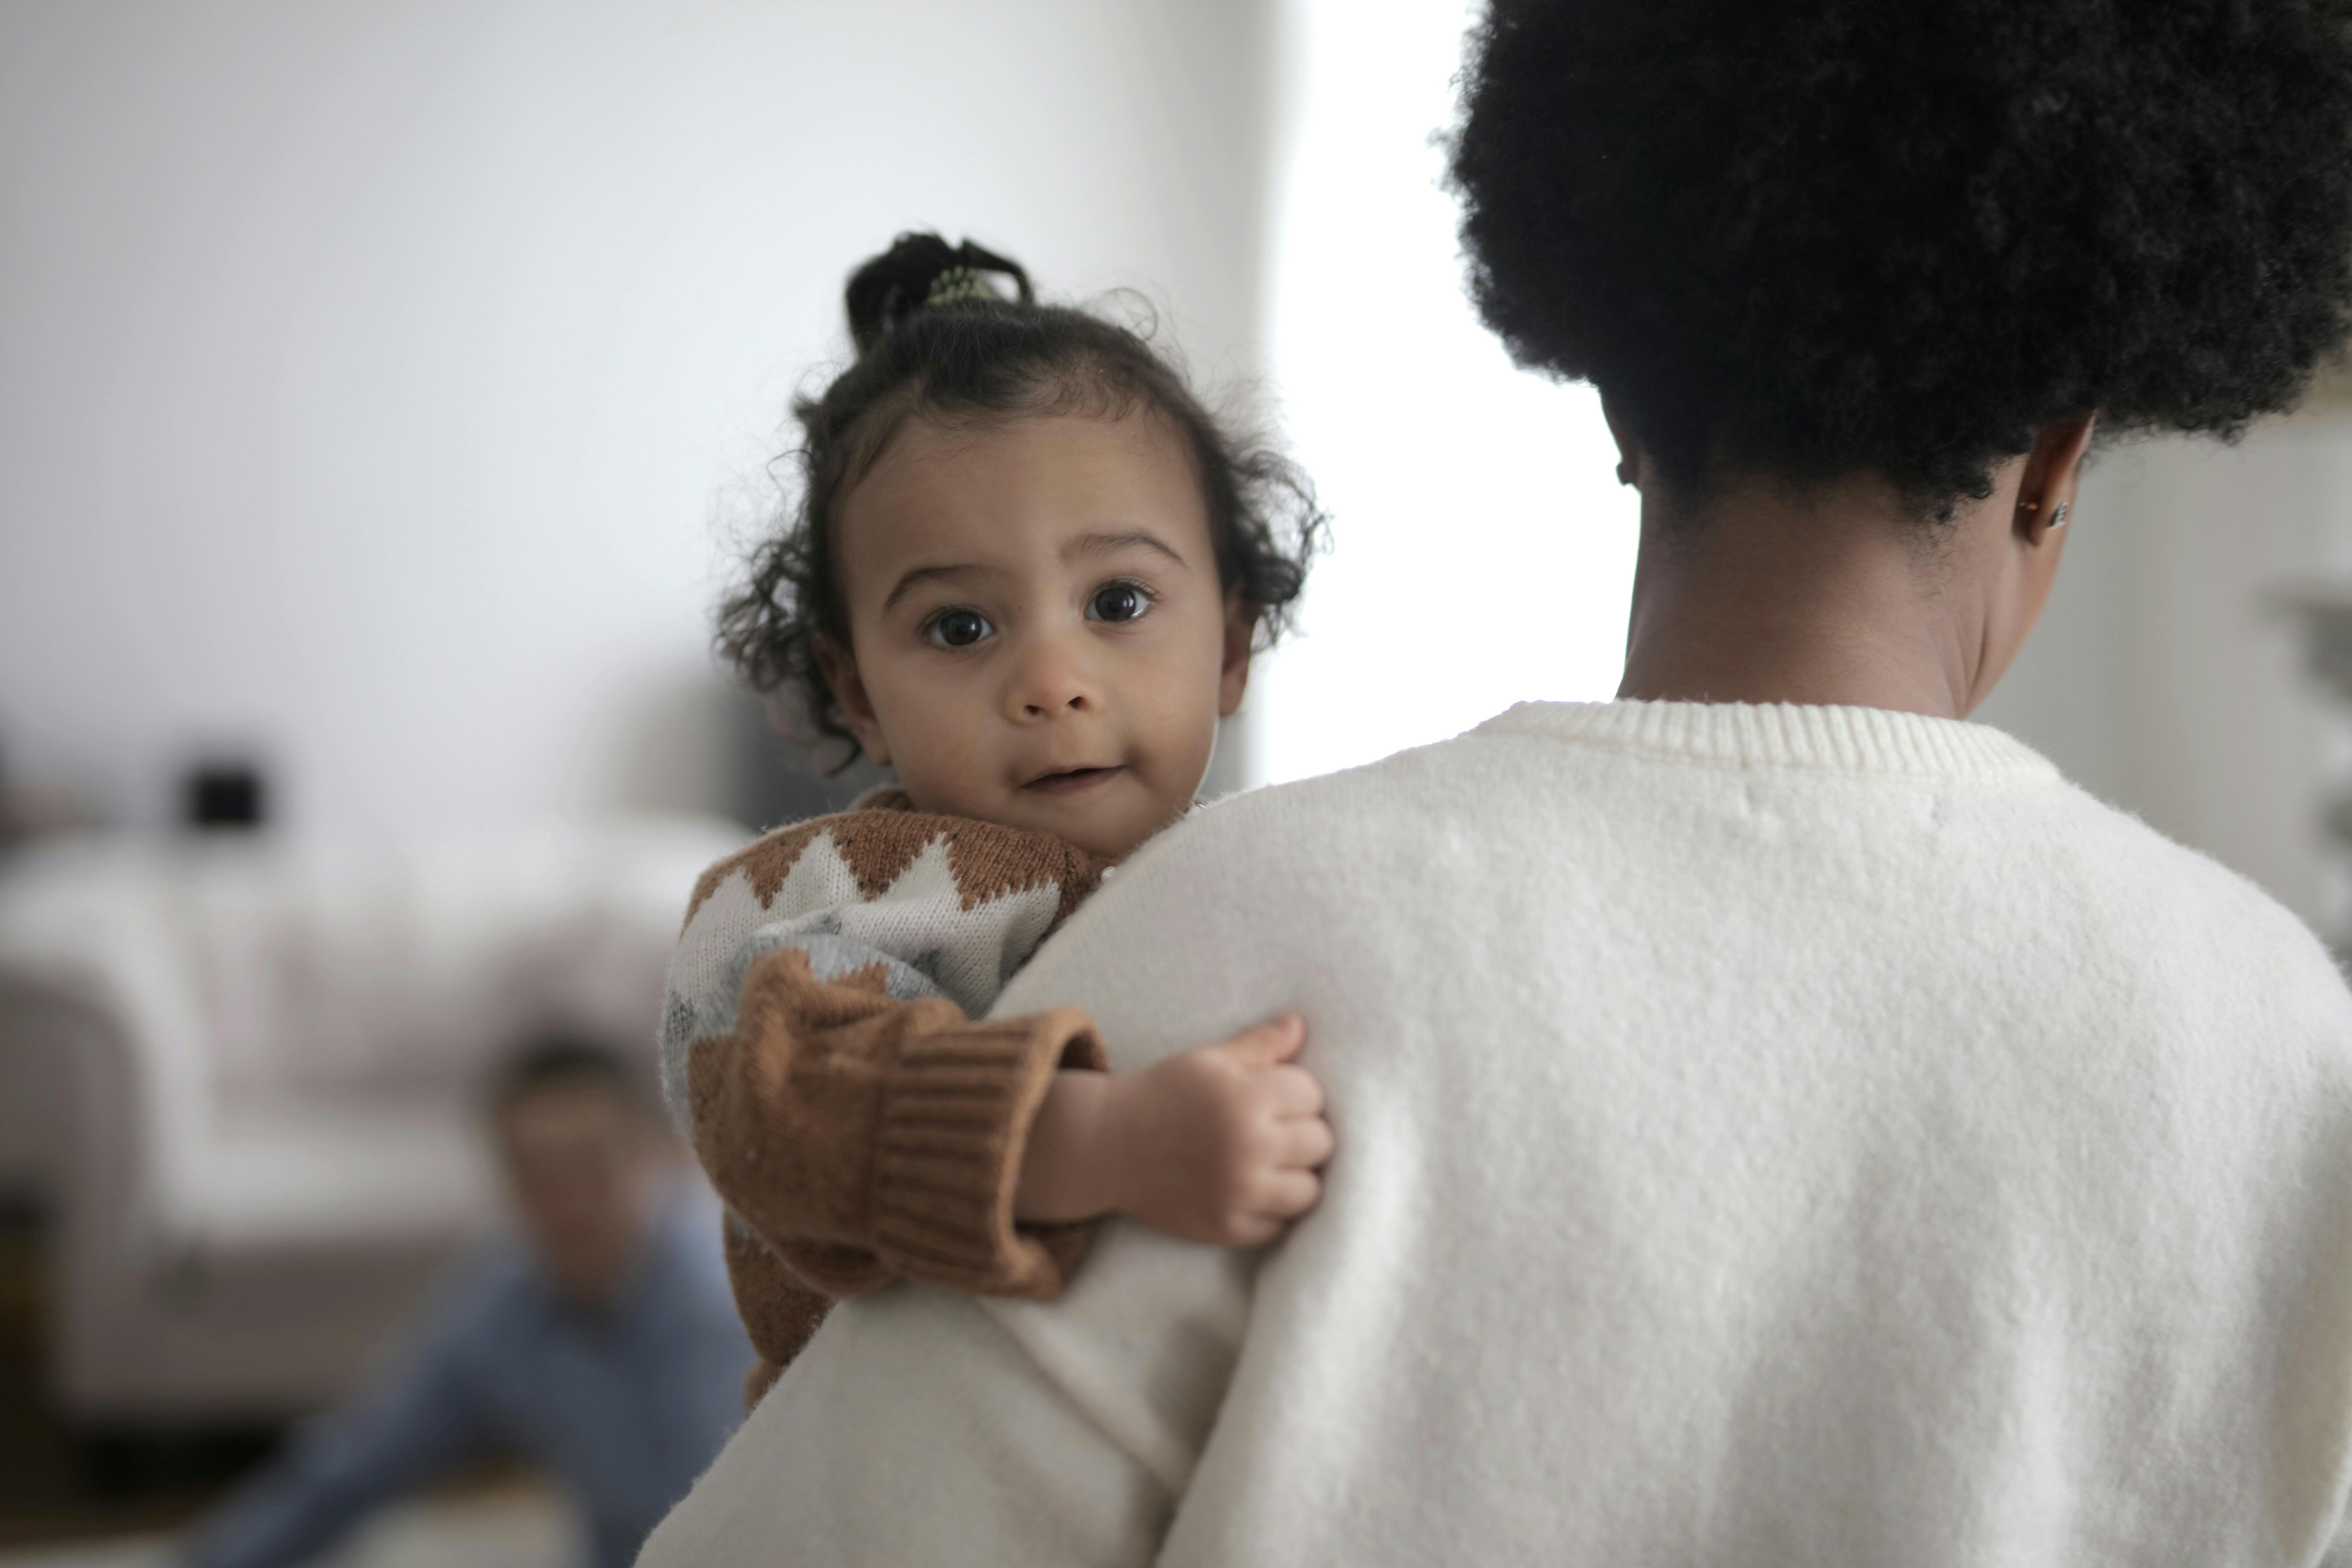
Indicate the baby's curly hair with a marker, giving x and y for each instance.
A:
(1817, 237)
(936, 341)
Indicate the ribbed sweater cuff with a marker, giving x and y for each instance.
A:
(954, 1129)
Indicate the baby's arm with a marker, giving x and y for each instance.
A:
(860, 1137)
(1220, 1144)
(865, 1137)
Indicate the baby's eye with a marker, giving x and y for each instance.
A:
(956, 628)
(1119, 602)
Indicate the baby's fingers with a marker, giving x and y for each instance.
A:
(1264, 1045)
(1294, 1091)
(1287, 1195)
(1303, 1144)
(1250, 1230)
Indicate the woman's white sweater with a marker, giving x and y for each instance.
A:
(1768, 1135)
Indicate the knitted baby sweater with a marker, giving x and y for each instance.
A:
(817, 1043)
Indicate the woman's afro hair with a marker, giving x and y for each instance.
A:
(1815, 237)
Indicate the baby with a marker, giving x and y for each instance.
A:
(1028, 573)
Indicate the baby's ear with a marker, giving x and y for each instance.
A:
(839, 666)
(1241, 640)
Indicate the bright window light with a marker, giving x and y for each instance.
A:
(1483, 549)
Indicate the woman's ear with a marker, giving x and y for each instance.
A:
(1241, 640)
(2045, 486)
(839, 666)
(1628, 449)
(2030, 548)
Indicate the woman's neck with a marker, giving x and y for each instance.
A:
(1831, 597)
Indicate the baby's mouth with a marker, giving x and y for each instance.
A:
(1069, 781)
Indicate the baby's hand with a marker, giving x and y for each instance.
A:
(1222, 1143)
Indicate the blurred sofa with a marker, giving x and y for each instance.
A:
(241, 1078)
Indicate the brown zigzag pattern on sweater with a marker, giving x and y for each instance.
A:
(994, 861)
(878, 845)
(767, 863)
(769, 860)
(883, 835)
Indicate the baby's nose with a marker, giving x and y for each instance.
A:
(1053, 680)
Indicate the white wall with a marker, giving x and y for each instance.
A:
(368, 371)
(1484, 550)
(2164, 676)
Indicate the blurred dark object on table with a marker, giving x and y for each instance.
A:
(221, 794)
(2325, 612)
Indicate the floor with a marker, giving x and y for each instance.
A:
(515, 1524)
(75, 1499)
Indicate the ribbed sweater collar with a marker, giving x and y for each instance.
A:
(1783, 735)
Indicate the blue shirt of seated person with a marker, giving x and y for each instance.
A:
(606, 1350)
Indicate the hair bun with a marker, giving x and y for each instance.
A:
(922, 272)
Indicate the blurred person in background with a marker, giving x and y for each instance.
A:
(603, 1345)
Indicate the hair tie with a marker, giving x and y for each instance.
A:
(956, 285)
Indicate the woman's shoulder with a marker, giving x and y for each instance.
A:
(1318, 849)
(2162, 896)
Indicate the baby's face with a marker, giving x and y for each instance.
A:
(1038, 637)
